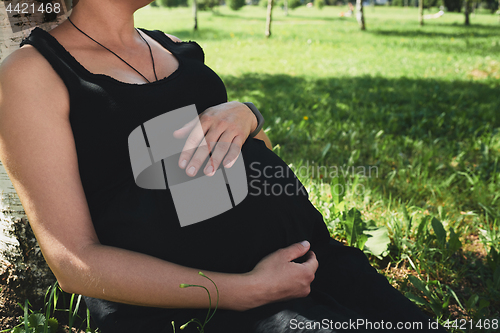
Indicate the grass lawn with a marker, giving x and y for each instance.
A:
(418, 107)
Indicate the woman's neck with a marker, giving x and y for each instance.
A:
(109, 21)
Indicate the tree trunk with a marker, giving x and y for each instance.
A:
(195, 14)
(467, 11)
(360, 15)
(22, 265)
(270, 4)
(421, 12)
(286, 7)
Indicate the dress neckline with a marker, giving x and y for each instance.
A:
(77, 65)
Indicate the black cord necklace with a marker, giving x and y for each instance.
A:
(149, 47)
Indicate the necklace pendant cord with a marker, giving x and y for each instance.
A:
(149, 47)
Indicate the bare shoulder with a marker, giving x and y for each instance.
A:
(173, 38)
(24, 61)
(28, 78)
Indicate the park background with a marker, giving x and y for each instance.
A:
(394, 130)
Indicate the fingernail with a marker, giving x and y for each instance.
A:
(184, 163)
(191, 170)
(226, 163)
(209, 170)
(305, 243)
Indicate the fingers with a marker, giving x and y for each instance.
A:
(226, 151)
(234, 152)
(311, 262)
(296, 250)
(218, 153)
(223, 124)
(198, 158)
(227, 147)
(186, 129)
(196, 138)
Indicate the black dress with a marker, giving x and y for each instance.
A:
(104, 111)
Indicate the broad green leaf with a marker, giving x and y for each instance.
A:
(417, 283)
(378, 241)
(483, 304)
(439, 231)
(436, 308)
(53, 324)
(454, 243)
(416, 299)
(36, 319)
(420, 285)
(471, 302)
(354, 227)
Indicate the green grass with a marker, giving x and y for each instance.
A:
(420, 105)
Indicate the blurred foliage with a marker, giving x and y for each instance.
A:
(205, 5)
(236, 4)
(319, 4)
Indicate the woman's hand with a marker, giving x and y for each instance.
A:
(278, 278)
(225, 126)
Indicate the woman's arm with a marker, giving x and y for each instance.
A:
(38, 151)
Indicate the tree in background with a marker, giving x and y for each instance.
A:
(236, 4)
(421, 12)
(453, 5)
(270, 4)
(360, 15)
(284, 4)
(467, 9)
(205, 4)
(195, 14)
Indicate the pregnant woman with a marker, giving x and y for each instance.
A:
(70, 98)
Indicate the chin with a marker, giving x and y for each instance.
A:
(142, 3)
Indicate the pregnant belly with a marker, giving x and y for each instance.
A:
(275, 213)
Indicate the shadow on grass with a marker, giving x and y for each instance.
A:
(417, 125)
(419, 108)
(459, 32)
(292, 16)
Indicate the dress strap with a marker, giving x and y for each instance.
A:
(56, 55)
(188, 49)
